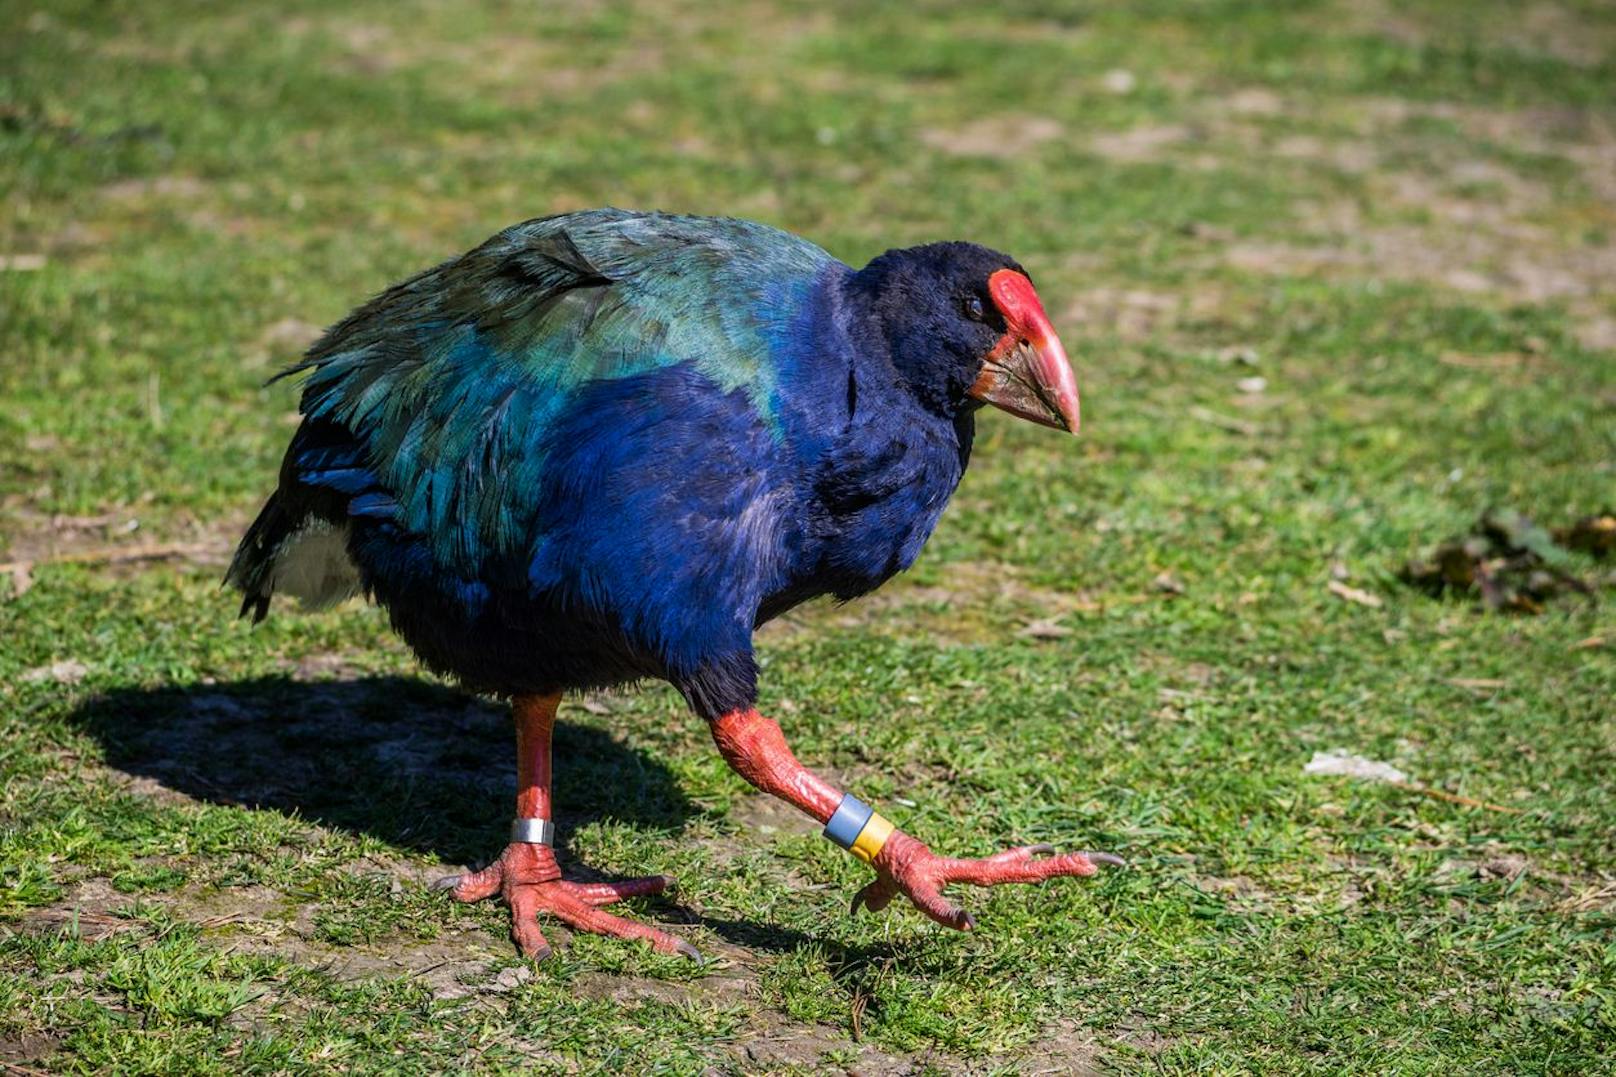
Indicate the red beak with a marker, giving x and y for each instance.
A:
(1027, 372)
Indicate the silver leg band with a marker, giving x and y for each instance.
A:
(533, 831)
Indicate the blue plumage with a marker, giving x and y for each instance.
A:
(607, 445)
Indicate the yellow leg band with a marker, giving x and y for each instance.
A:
(872, 838)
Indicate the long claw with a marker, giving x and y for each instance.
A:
(530, 880)
(907, 866)
(448, 882)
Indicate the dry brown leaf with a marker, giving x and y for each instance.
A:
(1167, 583)
(1353, 594)
(1047, 628)
(70, 671)
(1499, 361)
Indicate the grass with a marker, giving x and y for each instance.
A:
(212, 840)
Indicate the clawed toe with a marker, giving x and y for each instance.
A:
(907, 866)
(527, 876)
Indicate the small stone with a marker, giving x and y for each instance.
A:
(1168, 584)
(512, 978)
(1119, 81)
(1350, 765)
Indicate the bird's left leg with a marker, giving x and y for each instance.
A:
(527, 874)
(757, 750)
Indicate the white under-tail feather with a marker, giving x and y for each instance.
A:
(313, 566)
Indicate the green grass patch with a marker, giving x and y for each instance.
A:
(214, 841)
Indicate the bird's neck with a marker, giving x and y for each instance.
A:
(863, 311)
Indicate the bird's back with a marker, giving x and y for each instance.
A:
(548, 415)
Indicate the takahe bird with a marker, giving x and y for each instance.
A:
(608, 445)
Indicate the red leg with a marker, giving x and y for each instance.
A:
(527, 874)
(757, 750)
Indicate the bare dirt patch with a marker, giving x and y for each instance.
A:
(767, 816)
(1133, 314)
(18, 1051)
(177, 188)
(994, 136)
(90, 911)
(114, 541)
(1139, 145)
(453, 966)
(260, 919)
(1543, 28)
(807, 1046)
(1240, 894)
(1597, 332)
(974, 605)
(1063, 1048)
(1473, 250)
(282, 340)
(1557, 31)
(723, 990)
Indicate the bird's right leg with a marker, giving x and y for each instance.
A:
(527, 874)
(757, 750)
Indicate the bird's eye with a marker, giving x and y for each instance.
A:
(973, 309)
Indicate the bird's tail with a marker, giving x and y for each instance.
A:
(294, 553)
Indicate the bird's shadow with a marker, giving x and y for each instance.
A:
(414, 764)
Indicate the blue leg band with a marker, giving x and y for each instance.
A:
(851, 815)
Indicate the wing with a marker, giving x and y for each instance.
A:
(430, 406)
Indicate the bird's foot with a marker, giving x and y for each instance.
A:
(906, 866)
(529, 879)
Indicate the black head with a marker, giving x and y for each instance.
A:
(964, 326)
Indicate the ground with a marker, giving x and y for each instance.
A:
(1336, 279)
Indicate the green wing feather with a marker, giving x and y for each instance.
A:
(447, 382)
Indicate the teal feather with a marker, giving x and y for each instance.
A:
(449, 379)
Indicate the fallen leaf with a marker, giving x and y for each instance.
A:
(1224, 422)
(1348, 765)
(1508, 561)
(1045, 629)
(1588, 644)
(1353, 594)
(1167, 583)
(1593, 535)
(1504, 867)
(1477, 682)
(1119, 81)
(1246, 356)
(71, 671)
